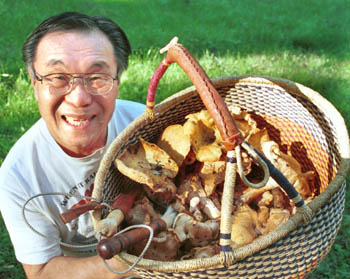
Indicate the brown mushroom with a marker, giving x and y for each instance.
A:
(148, 164)
(290, 168)
(243, 226)
(205, 137)
(192, 194)
(175, 142)
(212, 174)
(197, 233)
(165, 246)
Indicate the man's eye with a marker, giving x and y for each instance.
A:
(95, 78)
(59, 78)
(55, 78)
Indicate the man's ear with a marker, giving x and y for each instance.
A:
(118, 83)
(34, 83)
(31, 75)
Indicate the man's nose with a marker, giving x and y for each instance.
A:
(78, 96)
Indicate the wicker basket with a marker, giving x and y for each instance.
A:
(296, 117)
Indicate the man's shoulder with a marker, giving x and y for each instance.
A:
(31, 140)
(124, 113)
(121, 104)
(33, 135)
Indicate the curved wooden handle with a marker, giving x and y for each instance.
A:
(75, 212)
(109, 247)
(209, 95)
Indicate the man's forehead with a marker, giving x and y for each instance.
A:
(61, 48)
(93, 64)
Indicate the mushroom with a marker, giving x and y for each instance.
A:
(212, 174)
(202, 252)
(148, 164)
(263, 211)
(142, 213)
(165, 246)
(175, 142)
(243, 230)
(244, 121)
(290, 168)
(197, 233)
(191, 193)
(277, 217)
(205, 138)
(258, 138)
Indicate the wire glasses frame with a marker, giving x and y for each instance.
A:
(62, 83)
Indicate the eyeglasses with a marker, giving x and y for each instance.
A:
(62, 83)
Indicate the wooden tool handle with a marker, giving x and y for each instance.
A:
(75, 212)
(208, 93)
(120, 208)
(109, 247)
(122, 202)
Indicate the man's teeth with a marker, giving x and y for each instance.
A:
(76, 122)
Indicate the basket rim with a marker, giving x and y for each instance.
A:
(265, 240)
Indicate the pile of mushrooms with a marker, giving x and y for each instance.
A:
(185, 168)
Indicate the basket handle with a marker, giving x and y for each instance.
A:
(210, 97)
(222, 117)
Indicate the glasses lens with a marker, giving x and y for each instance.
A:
(98, 84)
(58, 83)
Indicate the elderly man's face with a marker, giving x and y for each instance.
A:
(78, 120)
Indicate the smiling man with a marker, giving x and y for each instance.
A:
(78, 120)
(75, 62)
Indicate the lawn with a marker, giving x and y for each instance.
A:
(307, 41)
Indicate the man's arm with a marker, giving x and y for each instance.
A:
(82, 268)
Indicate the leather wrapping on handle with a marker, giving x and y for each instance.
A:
(153, 84)
(209, 95)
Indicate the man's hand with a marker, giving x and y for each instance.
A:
(77, 268)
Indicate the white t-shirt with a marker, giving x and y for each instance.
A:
(36, 165)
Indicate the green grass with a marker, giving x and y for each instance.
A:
(307, 41)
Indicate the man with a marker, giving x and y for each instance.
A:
(75, 63)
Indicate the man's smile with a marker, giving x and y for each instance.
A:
(76, 121)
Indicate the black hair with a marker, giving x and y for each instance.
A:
(78, 21)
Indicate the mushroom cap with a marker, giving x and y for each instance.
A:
(204, 135)
(146, 163)
(175, 142)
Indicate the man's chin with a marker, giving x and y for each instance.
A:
(81, 142)
(79, 149)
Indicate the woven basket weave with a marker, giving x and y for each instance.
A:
(297, 118)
